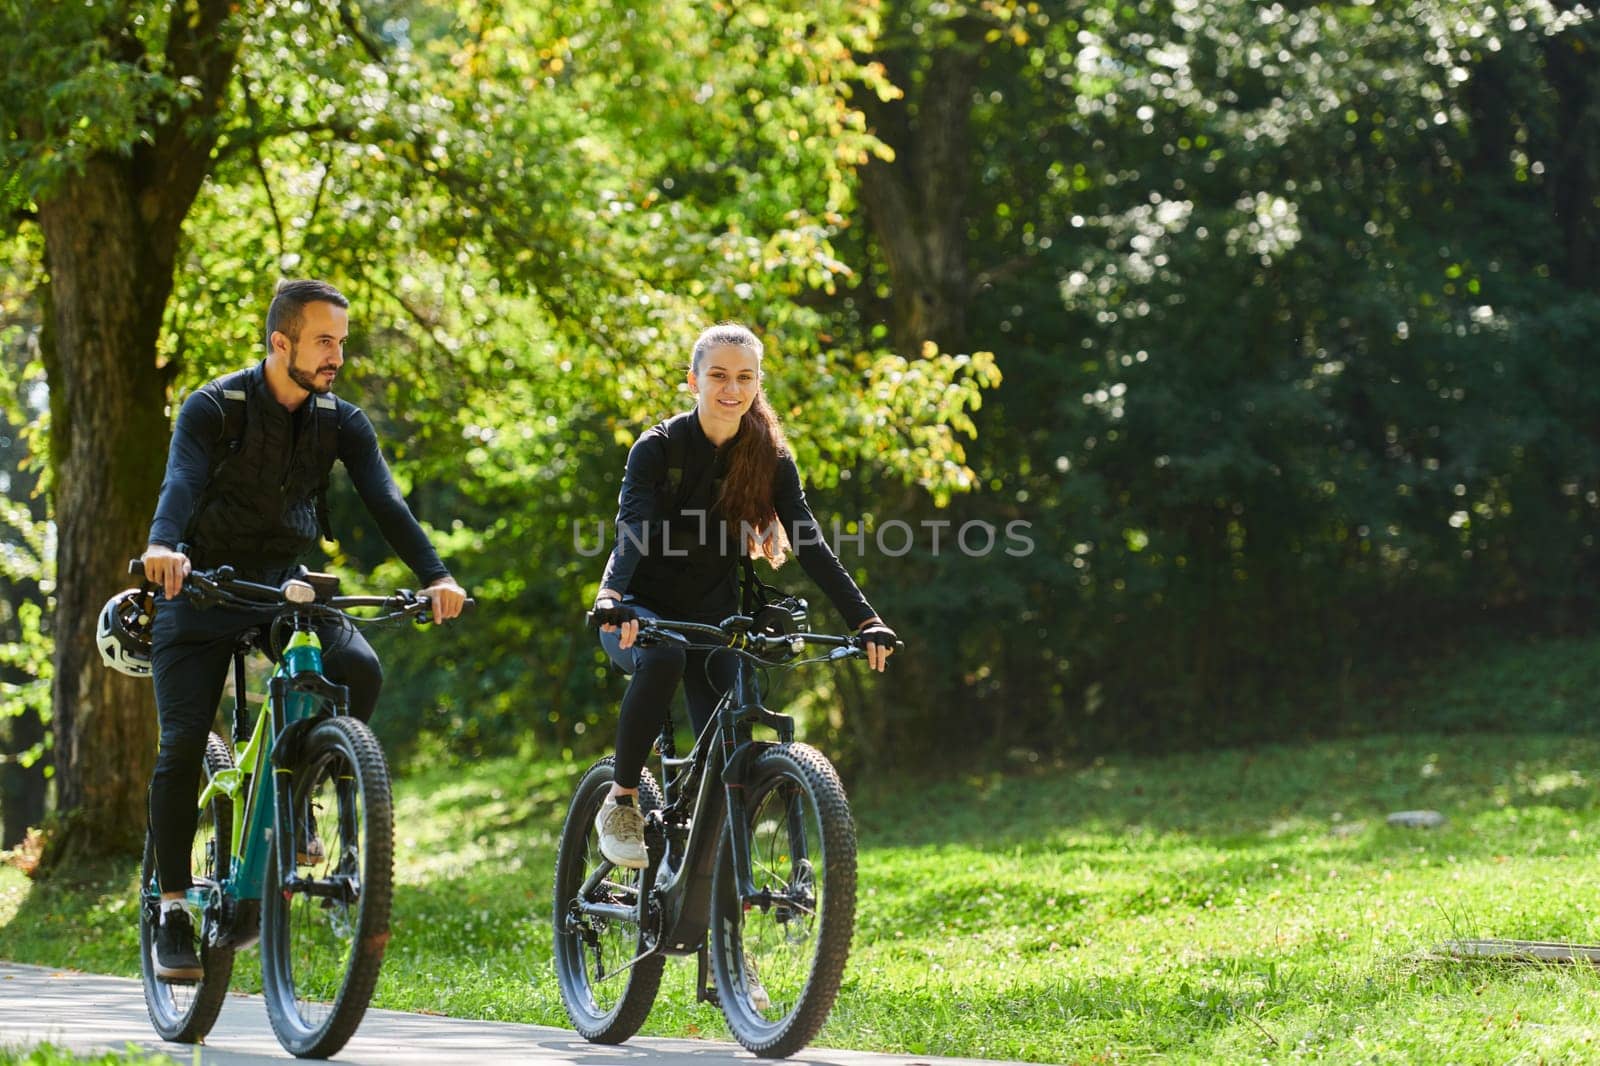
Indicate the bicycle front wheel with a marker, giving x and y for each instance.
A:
(322, 940)
(184, 1011)
(778, 958)
(606, 993)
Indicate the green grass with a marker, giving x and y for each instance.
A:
(1230, 906)
(50, 1055)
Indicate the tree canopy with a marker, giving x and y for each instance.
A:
(1289, 308)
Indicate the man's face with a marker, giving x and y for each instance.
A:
(314, 357)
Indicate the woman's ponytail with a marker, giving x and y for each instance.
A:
(747, 486)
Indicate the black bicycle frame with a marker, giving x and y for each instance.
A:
(721, 754)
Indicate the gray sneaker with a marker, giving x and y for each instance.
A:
(308, 849)
(754, 989)
(621, 829)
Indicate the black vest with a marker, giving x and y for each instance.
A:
(263, 504)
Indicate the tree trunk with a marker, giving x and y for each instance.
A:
(109, 434)
(111, 232)
(917, 203)
(1574, 154)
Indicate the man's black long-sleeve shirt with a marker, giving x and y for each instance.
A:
(680, 558)
(200, 428)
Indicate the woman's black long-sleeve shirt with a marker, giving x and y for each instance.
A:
(679, 557)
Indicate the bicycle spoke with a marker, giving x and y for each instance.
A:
(321, 959)
(778, 967)
(324, 929)
(185, 1011)
(607, 984)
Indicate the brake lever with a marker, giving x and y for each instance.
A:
(651, 635)
(202, 598)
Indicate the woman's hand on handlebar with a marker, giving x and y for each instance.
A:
(613, 615)
(165, 567)
(447, 599)
(879, 641)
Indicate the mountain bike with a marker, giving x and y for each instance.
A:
(752, 865)
(295, 843)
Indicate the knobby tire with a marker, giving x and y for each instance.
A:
(320, 958)
(184, 1012)
(604, 1010)
(803, 845)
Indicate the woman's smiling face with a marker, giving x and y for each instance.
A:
(726, 383)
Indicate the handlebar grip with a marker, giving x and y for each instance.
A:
(136, 568)
(590, 623)
(468, 606)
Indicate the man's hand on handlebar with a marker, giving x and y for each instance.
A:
(611, 615)
(879, 641)
(448, 599)
(165, 567)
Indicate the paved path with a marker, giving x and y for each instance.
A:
(88, 1013)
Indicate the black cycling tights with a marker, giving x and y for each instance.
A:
(656, 673)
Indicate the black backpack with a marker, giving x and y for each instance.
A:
(754, 593)
(232, 396)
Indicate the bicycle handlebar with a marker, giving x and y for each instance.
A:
(222, 585)
(734, 634)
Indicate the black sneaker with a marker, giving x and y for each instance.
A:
(173, 953)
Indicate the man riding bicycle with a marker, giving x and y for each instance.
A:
(245, 484)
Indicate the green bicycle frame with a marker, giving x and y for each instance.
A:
(254, 816)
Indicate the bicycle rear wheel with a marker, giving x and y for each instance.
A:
(321, 950)
(606, 998)
(184, 1012)
(778, 963)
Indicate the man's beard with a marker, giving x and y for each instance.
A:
(306, 379)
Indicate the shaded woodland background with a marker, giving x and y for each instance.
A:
(1275, 322)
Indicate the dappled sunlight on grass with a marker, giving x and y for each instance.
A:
(1192, 883)
(452, 823)
(1215, 907)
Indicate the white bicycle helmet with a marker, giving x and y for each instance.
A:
(123, 633)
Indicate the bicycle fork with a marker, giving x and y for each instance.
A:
(738, 824)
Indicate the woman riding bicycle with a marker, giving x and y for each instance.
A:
(700, 491)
